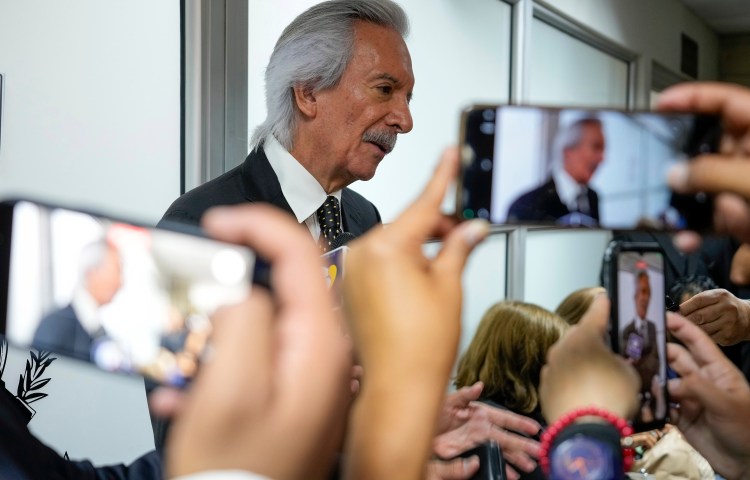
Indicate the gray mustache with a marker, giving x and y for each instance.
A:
(386, 140)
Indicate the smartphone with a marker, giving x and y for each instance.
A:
(119, 295)
(637, 330)
(491, 464)
(581, 167)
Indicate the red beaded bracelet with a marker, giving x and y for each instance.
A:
(551, 432)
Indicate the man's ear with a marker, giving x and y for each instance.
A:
(306, 101)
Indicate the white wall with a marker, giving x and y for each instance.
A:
(92, 103)
(483, 283)
(90, 414)
(91, 112)
(561, 261)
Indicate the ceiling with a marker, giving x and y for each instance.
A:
(723, 16)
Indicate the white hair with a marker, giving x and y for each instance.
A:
(569, 136)
(313, 51)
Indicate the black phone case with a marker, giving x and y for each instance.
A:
(491, 464)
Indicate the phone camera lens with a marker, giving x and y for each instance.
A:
(488, 115)
(486, 165)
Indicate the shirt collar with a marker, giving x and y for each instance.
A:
(86, 308)
(302, 191)
(567, 188)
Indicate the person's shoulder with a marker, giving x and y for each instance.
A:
(528, 204)
(630, 324)
(226, 189)
(545, 189)
(350, 199)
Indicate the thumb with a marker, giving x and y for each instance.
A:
(712, 174)
(474, 391)
(597, 316)
(458, 244)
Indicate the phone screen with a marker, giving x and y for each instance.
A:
(576, 167)
(124, 297)
(641, 329)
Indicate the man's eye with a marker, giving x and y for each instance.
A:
(385, 89)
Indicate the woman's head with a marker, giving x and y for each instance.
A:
(508, 351)
(572, 308)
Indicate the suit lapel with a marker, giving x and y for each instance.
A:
(351, 214)
(262, 185)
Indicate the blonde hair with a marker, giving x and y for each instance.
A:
(572, 308)
(508, 352)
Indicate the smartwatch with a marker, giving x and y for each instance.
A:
(586, 452)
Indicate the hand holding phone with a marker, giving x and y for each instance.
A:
(119, 295)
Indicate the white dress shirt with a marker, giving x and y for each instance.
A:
(568, 190)
(301, 190)
(86, 310)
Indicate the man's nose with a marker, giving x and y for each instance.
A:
(400, 117)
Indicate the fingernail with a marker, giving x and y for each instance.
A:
(678, 176)
(667, 96)
(674, 383)
(475, 231)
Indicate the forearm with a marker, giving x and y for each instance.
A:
(391, 429)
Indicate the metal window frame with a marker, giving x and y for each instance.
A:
(215, 88)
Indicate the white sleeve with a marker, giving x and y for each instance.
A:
(222, 475)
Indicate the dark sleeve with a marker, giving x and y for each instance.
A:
(145, 467)
(172, 216)
(23, 456)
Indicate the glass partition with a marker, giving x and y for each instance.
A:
(564, 70)
(558, 262)
(483, 281)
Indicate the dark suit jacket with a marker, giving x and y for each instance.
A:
(61, 332)
(543, 204)
(255, 181)
(24, 457)
(648, 365)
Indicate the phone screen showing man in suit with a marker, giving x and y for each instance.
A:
(121, 296)
(641, 329)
